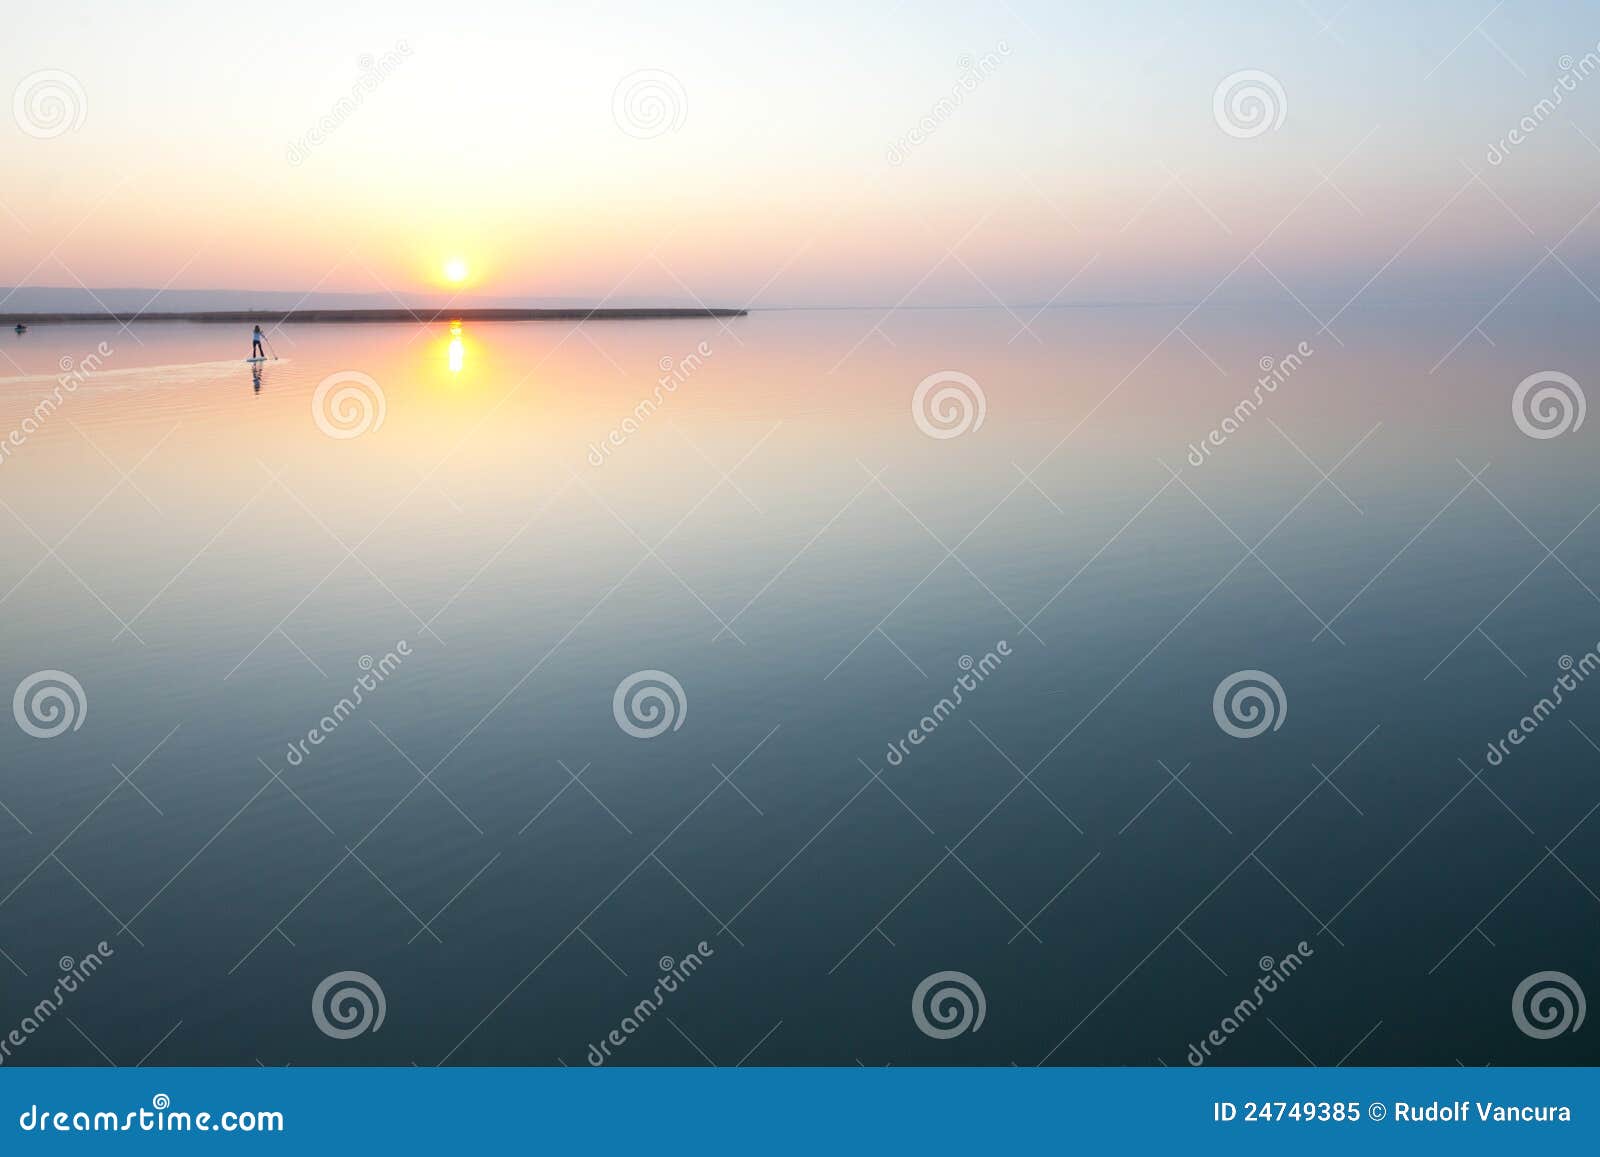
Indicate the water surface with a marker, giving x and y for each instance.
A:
(779, 534)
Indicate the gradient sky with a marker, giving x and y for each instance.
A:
(1087, 167)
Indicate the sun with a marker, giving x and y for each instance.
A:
(455, 270)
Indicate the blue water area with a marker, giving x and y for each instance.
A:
(920, 687)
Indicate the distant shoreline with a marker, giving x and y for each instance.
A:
(408, 316)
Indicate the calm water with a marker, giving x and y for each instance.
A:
(815, 572)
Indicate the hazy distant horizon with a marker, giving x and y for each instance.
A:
(1025, 155)
(989, 418)
(141, 299)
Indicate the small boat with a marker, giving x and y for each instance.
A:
(21, 328)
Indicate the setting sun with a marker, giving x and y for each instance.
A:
(1068, 284)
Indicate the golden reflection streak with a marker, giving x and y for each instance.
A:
(457, 352)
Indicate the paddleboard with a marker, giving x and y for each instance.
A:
(255, 359)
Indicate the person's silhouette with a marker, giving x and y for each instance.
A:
(255, 343)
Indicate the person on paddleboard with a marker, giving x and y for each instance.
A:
(255, 344)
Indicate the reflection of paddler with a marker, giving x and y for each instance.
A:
(255, 377)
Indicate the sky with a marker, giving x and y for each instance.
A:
(824, 153)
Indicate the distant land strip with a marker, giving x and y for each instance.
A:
(411, 316)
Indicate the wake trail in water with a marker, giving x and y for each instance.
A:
(180, 374)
